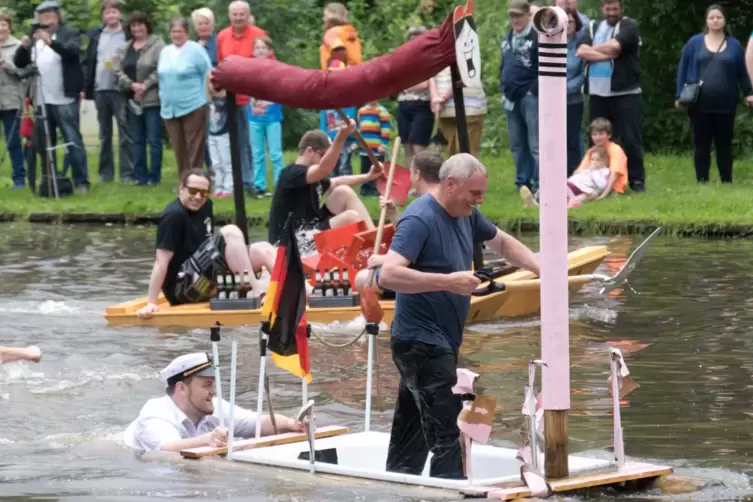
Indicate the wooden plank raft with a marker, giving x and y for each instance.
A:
(247, 444)
(629, 472)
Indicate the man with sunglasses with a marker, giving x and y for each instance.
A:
(190, 253)
(302, 184)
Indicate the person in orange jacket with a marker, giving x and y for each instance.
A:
(340, 45)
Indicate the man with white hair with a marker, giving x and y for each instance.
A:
(238, 39)
(429, 266)
(187, 416)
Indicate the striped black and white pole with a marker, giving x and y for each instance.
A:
(551, 25)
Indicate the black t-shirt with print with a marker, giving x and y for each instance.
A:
(293, 194)
(182, 231)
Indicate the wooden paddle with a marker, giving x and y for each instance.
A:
(529, 284)
(383, 213)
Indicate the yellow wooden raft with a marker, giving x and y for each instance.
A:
(503, 304)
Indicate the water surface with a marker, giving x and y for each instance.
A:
(685, 331)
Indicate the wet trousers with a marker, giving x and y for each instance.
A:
(426, 412)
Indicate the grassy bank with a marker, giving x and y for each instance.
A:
(672, 200)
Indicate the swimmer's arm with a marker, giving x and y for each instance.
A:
(157, 435)
(186, 444)
(159, 271)
(284, 424)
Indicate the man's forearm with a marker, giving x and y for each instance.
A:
(516, 253)
(185, 444)
(406, 280)
(590, 54)
(608, 49)
(159, 271)
(283, 425)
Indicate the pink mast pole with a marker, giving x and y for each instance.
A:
(551, 25)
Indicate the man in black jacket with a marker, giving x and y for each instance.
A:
(101, 86)
(55, 50)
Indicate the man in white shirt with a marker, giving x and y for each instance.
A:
(187, 416)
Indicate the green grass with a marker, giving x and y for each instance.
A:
(673, 200)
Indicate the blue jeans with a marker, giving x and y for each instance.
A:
(344, 166)
(263, 135)
(244, 145)
(369, 188)
(65, 118)
(575, 144)
(11, 126)
(146, 129)
(523, 129)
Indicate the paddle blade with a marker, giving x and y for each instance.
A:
(400, 183)
(635, 258)
(370, 307)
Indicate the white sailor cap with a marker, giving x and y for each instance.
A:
(196, 364)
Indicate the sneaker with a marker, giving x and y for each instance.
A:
(255, 193)
(82, 190)
(527, 197)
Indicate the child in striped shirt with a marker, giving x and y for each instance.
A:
(375, 125)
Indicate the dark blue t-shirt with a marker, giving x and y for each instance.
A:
(435, 242)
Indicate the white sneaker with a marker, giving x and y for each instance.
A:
(527, 197)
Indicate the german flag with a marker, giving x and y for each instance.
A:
(285, 307)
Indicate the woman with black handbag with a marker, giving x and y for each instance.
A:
(710, 74)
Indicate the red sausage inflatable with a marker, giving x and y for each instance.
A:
(413, 62)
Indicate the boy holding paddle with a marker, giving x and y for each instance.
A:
(303, 183)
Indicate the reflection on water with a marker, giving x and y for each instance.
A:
(684, 332)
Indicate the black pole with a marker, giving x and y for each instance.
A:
(465, 145)
(235, 160)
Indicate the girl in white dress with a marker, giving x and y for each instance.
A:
(585, 185)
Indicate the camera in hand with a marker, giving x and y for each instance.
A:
(36, 27)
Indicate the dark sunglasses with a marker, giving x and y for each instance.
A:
(194, 191)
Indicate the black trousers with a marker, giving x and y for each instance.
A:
(626, 115)
(426, 412)
(717, 128)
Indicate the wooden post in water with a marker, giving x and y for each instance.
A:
(551, 25)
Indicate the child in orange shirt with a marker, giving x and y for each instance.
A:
(601, 135)
(341, 46)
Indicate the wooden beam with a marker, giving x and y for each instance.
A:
(246, 444)
(555, 439)
(629, 472)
